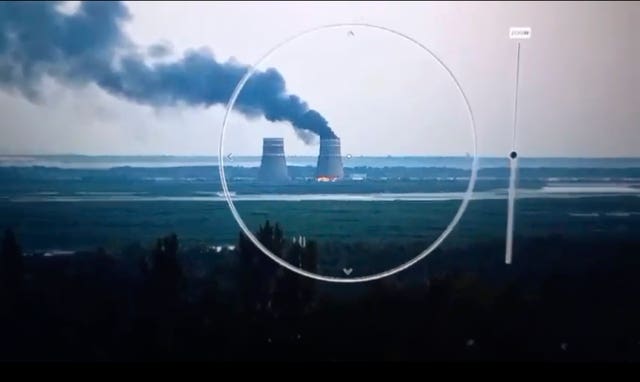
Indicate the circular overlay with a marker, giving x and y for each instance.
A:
(465, 197)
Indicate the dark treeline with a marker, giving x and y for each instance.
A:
(563, 299)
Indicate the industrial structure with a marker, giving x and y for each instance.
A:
(329, 166)
(273, 165)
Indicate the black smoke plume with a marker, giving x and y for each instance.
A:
(89, 46)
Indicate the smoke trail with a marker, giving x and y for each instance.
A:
(88, 46)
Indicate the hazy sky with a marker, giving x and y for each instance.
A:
(578, 87)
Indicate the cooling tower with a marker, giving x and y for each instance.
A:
(329, 160)
(273, 166)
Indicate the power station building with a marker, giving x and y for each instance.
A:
(329, 166)
(273, 165)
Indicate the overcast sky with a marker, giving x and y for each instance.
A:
(579, 81)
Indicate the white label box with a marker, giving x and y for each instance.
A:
(520, 33)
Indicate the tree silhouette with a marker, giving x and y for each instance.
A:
(309, 263)
(257, 272)
(246, 273)
(162, 296)
(287, 301)
(165, 276)
(293, 297)
(11, 270)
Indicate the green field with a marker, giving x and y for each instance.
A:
(359, 225)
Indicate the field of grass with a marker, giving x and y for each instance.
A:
(113, 225)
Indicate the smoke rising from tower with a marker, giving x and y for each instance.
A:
(89, 46)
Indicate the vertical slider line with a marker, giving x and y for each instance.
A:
(513, 167)
(515, 106)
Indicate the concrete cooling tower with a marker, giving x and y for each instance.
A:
(273, 166)
(329, 160)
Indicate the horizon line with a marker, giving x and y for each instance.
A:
(493, 156)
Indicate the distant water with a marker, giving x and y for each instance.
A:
(202, 196)
(104, 162)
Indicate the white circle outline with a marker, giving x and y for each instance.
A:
(463, 205)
